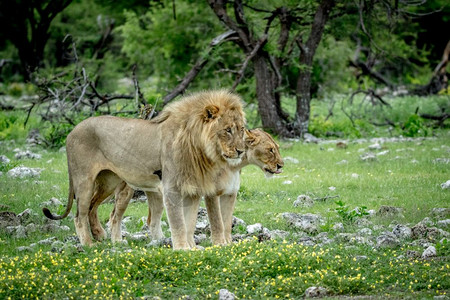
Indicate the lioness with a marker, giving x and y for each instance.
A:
(261, 150)
(190, 142)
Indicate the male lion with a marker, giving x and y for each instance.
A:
(190, 142)
(261, 150)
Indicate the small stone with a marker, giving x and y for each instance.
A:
(354, 175)
(27, 155)
(368, 157)
(342, 162)
(255, 228)
(24, 249)
(361, 257)
(365, 232)
(308, 222)
(303, 201)
(383, 153)
(402, 231)
(277, 234)
(48, 241)
(385, 210)
(445, 185)
(441, 161)
(419, 231)
(24, 172)
(338, 227)
(440, 212)
(443, 223)
(238, 222)
(387, 240)
(375, 146)
(429, 252)
(287, 182)
(309, 138)
(314, 292)
(139, 237)
(412, 254)
(224, 294)
(200, 238)
(291, 160)
(4, 160)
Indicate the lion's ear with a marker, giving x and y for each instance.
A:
(251, 139)
(210, 113)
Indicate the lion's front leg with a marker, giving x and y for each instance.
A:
(173, 202)
(190, 207)
(215, 220)
(227, 203)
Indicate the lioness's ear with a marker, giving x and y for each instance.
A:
(251, 139)
(210, 113)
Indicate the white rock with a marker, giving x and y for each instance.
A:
(27, 154)
(23, 172)
(303, 201)
(287, 182)
(445, 185)
(342, 162)
(332, 188)
(383, 153)
(354, 175)
(314, 291)
(375, 146)
(4, 159)
(290, 160)
(225, 294)
(429, 252)
(255, 228)
(368, 157)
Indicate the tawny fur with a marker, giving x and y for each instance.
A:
(190, 142)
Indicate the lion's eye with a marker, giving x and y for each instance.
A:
(228, 130)
(242, 128)
(272, 150)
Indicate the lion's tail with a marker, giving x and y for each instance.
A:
(51, 216)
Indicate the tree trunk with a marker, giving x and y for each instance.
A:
(265, 91)
(307, 53)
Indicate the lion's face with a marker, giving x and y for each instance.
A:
(226, 133)
(230, 135)
(264, 152)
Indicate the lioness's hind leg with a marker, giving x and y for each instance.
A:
(83, 194)
(105, 184)
(96, 227)
(123, 196)
(155, 210)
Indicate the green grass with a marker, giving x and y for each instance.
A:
(271, 269)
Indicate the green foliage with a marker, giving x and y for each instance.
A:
(11, 126)
(415, 126)
(165, 46)
(350, 216)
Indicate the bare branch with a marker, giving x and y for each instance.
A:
(198, 66)
(252, 54)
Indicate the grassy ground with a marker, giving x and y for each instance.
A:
(406, 176)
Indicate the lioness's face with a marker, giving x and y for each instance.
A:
(263, 151)
(230, 133)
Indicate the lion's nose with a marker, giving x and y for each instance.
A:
(279, 166)
(239, 152)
